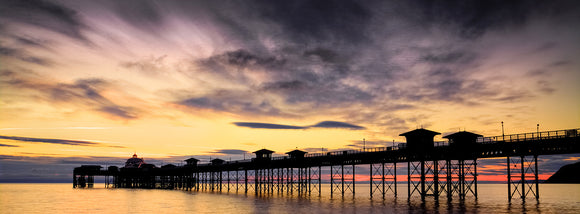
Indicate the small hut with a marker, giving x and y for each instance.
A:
(463, 141)
(263, 154)
(217, 161)
(420, 140)
(296, 154)
(191, 162)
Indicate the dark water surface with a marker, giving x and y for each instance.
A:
(62, 198)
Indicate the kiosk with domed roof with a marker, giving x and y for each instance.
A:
(134, 162)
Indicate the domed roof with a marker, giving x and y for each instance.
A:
(134, 162)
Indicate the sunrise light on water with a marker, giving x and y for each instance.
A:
(94, 82)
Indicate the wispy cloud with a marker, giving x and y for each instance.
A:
(324, 124)
(337, 125)
(57, 141)
(572, 159)
(358, 144)
(47, 15)
(266, 126)
(8, 52)
(88, 93)
(230, 151)
(87, 128)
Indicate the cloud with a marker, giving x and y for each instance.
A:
(449, 57)
(228, 102)
(354, 55)
(335, 124)
(318, 20)
(84, 93)
(154, 66)
(120, 111)
(267, 126)
(24, 56)
(230, 151)
(90, 91)
(301, 58)
(47, 15)
(74, 127)
(359, 144)
(7, 145)
(31, 42)
(57, 141)
(241, 58)
(324, 124)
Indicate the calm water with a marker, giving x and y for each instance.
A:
(62, 198)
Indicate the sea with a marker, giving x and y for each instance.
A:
(62, 198)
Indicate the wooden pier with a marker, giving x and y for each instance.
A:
(434, 169)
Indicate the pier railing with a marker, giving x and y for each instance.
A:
(443, 169)
(530, 136)
(512, 138)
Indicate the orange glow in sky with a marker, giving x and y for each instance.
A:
(185, 79)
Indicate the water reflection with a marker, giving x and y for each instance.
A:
(60, 198)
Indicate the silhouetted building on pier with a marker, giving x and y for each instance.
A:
(420, 140)
(263, 154)
(134, 162)
(434, 169)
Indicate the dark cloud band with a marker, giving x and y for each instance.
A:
(56, 141)
(267, 126)
(324, 124)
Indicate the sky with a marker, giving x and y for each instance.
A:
(92, 82)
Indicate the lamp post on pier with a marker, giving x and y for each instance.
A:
(502, 132)
(538, 131)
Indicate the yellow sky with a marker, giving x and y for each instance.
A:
(176, 86)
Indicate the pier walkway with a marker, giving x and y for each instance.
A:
(434, 169)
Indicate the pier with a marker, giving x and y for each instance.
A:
(445, 169)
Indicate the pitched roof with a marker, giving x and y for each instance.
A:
(264, 151)
(217, 161)
(462, 134)
(419, 132)
(192, 159)
(296, 152)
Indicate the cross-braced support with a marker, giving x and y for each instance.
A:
(522, 175)
(342, 179)
(215, 181)
(461, 178)
(416, 178)
(280, 179)
(249, 180)
(449, 177)
(383, 178)
(314, 180)
(424, 179)
(264, 179)
(299, 180)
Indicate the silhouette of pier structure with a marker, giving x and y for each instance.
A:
(434, 169)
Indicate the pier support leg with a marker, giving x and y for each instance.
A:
(475, 176)
(527, 173)
(536, 177)
(416, 179)
(409, 180)
(319, 181)
(509, 178)
(423, 192)
(436, 179)
(246, 181)
(395, 177)
(525, 182)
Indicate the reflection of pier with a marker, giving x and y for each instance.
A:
(434, 169)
